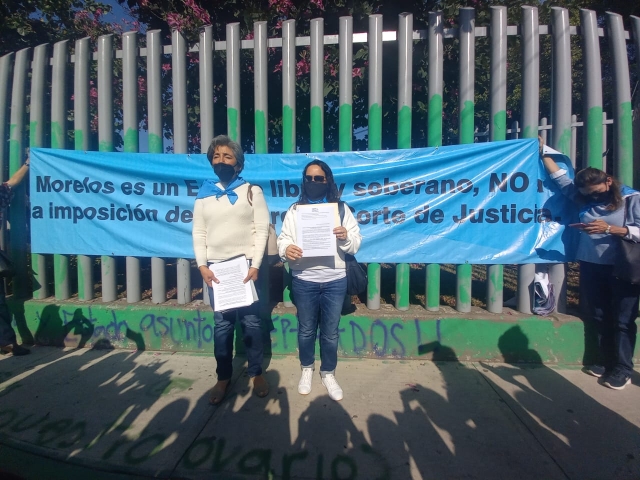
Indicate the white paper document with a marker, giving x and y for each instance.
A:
(231, 292)
(315, 224)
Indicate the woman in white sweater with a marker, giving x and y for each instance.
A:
(319, 283)
(231, 218)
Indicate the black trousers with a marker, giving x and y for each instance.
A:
(7, 335)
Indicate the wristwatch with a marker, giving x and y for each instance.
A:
(608, 230)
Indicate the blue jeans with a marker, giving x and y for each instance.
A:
(612, 309)
(223, 338)
(319, 303)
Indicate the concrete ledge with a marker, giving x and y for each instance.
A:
(386, 333)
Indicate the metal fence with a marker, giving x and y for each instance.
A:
(39, 71)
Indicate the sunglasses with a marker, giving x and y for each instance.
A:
(315, 178)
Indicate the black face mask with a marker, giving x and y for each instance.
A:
(315, 191)
(604, 197)
(224, 171)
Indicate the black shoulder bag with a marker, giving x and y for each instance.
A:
(7, 269)
(627, 264)
(356, 276)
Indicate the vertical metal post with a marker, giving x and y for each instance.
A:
(574, 135)
(374, 40)
(36, 139)
(6, 67)
(345, 72)
(622, 111)
(405, 86)
(81, 133)
(561, 120)
(603, 155)
(154, 120)
(205, 63)
(497, 130)
(261, 115)
(317, 85)
(592, 93)
(131, 138)
(434, 134)
(233, 81)
(58, 140)
(179, 85)
(18, 239)
(288, 116)
(466, 126)
(530, 113)
(105, 144)
(635, 28)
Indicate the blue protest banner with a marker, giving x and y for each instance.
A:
(482, 203)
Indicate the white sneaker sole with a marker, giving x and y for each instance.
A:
(606, 384)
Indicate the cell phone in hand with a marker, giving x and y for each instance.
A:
(579, 226)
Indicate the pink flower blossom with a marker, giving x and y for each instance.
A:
(318, 3)
(333, 70)
(166, 67)
(302, 67)
(278, 67)
(142, 84)
(357, 72)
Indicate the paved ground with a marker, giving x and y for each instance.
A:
(107, 414)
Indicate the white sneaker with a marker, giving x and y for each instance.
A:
(304, 385)
(330, 382)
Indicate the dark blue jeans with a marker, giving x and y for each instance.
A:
(251, 336)
(319, 303)
(612, 307)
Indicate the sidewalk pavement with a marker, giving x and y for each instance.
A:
(111, 414)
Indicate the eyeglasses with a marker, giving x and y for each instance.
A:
(315, 178)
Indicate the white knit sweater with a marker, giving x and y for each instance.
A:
(222, 231)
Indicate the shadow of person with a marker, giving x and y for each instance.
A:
(83, 405)
(583, 436)
(53, 330)
(329, 445)
(244, 436)
(452, 425)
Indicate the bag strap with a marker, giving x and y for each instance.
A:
(250, 193)
(341, 211)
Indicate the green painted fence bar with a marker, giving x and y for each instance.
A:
(81, 136)
(39, 67)
(434, 133)
(466, 124)
(105, 144)
(497, 130)
(18, 235)
(405, 87)
(288, 118)
(374, 40)
(61, 271)
(317, 85)
(131, 139)
(622, 110)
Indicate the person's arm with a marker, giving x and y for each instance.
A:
(19, 175)
(261, 225)
(352, 243)
(199, 236)
(287, 249)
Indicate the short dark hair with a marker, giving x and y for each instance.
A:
(225, 141)
(333, 194)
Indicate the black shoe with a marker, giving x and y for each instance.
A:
(617, 380)
(16, 349)
(594, 370)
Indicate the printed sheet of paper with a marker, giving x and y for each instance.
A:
(315, 224)
(231, 292)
